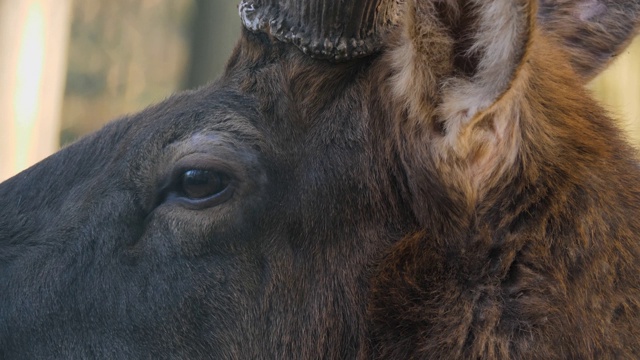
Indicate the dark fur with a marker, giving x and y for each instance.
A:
(339, 241)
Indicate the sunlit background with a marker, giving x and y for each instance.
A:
(69, 66)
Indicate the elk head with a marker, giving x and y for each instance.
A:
(350, 151)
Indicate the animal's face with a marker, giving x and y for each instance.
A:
(248, 217)
(230, 220)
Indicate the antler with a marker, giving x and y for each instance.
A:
(327, 29)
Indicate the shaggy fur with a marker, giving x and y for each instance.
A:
(532, 251)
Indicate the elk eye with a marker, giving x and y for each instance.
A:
(197, 184)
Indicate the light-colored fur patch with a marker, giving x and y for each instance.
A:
(421, 59)
(500, 39)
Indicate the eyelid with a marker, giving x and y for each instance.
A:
(201, 161)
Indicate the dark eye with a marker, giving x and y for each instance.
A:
(199, 188)
(201, 184)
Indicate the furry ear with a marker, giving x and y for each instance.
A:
(462, 54)
(592, 31)
(453, 61)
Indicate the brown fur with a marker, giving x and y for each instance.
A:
(533, 250)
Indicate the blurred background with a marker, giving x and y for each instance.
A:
(69, 66)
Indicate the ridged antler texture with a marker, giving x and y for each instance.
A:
(327, 29)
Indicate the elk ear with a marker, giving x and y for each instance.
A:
(453, 65)
(455, 58)
(592, 31)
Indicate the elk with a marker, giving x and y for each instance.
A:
(370, 179)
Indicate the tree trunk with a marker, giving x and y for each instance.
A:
(33, 39)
